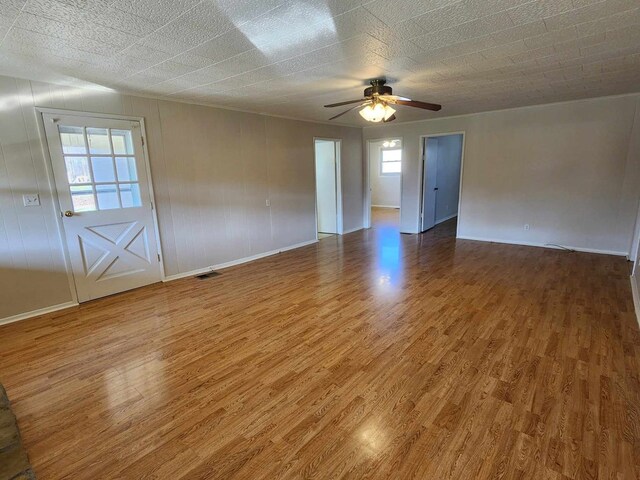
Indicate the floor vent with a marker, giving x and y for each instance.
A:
(204, 276)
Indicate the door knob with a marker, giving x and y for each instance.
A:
(68, 213)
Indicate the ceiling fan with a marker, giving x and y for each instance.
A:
(377, 100)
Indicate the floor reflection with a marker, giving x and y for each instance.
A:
(388, 247)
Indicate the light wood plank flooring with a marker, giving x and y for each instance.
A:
(375, 355)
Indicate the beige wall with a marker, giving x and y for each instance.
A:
(568, 170)
(212, 172)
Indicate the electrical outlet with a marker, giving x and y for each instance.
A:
(31, 199)
(268, 202)
(526, 226)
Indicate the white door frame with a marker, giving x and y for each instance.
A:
(423, 139)
(367, 177)
(54, 191)
(338, 149)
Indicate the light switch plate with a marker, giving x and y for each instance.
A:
(31, 199)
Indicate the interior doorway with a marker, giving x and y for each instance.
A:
(328, 187)
(385, 181)
(441, 178)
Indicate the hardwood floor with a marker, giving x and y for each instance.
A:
(375, 355)
(383, 216)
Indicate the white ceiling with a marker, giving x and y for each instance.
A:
(291, 57)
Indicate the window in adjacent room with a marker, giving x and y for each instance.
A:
(391, 161)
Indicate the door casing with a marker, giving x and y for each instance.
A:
(366, 219)
(338, 155)
(423, 141)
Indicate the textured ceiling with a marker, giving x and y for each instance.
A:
(291, 57)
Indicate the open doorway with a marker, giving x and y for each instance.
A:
(328, 189)
(442, 172)
(385, 177)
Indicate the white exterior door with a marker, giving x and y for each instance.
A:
(105, 201)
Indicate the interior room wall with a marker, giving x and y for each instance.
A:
(385, 189)
(633, 158)
(212, 171)
(568, 170)
(449, 150)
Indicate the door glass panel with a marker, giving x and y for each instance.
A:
(77, 169)
(126, 167)
(107, 196)
(100, 180)
(103, 169)
(98, 140)
(82, 198)
(122, 142)
(130, 195)
(72, 139)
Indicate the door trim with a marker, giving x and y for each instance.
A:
(339, 213)
(366, 220)
(423, 139)
(40, 111)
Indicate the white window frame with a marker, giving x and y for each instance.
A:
(390, 174)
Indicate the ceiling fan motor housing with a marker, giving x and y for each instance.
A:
(378, 87)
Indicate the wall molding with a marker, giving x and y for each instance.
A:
(636, 297)
(238, 261)
(543, 245)
(352, 230)
(36, 313)
(386, 206)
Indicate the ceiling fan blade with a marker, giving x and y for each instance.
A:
(393, 98)
(390, 119)
(415, 103)
(346, 103)
(346, 111)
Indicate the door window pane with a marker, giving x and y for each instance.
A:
(126, 167)
(98, 139)
(72, 139)
(130, 195)
(103, 169)
(106, 176)
(82, 198)
(122, 142)
(107, 196)
(77, 169)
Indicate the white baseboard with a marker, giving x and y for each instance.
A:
(35, 313)
(636, 297)
(397, 207)
(232, 263)
(447, 218)
(543, 245)
(352, 230)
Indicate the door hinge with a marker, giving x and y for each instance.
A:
(152, 206)
(142, 138)
(158, 257)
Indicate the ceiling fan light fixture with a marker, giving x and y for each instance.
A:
(376, 102)
(377, 112)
